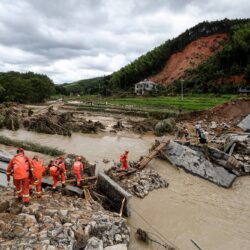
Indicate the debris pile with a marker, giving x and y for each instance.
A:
(142, 182)
(141, 127)
(111, 229)
(245, 124)
(49, 123)
(9, 117)
(164, 126)
(207, 162)
(238, 145)
(57, 222)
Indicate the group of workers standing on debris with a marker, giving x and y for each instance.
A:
(27, 173)
(200, 133)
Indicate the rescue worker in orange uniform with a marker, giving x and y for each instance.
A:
(38, 170)
(124, 161)
(20, 167)
(57, 169)
(76, 169)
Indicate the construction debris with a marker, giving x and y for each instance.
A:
(113, 192)
(110, 229)
(141, 127)
(245, 124)
(56, 221)
(142, 182)
(196, 160)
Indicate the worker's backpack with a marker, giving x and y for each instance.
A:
(20, 166)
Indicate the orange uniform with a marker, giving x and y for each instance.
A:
(19, 167)
(124, 161)
(76, 170)
(57, 169)
(38, 170)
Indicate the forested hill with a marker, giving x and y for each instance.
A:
(224, 60)
(154, 61)
(25, 87)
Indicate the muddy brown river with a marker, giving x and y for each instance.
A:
(189, 209)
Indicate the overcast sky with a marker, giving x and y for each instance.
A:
(77, 39)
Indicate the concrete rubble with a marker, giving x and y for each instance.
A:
(110, 230)
(57, 222)
(142, 182)
(239, 146)
(245, 124)
(194, 160)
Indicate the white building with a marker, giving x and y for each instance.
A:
(145, 86)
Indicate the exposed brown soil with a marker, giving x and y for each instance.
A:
(230, 112)
(193, 55)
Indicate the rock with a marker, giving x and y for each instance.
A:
(19, 231)
(16, 208)
(55, 232)
(213, 125)
(4, 205)
(4, 227)
(42, 235)
(29, 220)
(51, 248)
(117, 247)
(118, 238)
(50, 212)
(94, 244)
(63, 213)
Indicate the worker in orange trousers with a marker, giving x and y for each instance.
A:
(77, 168)
(124, 161)
(20, 167)
(57, 169)
(38, 170)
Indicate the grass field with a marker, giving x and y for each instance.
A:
(190, 103)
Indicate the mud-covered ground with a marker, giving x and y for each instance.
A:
(55, 119)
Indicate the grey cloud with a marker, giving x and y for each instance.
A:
(75, 39)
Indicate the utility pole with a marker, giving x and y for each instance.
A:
(182, 89)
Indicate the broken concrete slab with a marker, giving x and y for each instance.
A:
(195, 162)
(242, 143)
(113, 192)
(245, 123)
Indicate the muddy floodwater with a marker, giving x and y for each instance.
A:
(189, 209)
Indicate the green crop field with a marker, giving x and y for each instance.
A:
(190, 103)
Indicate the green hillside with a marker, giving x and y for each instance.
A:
(234, 59)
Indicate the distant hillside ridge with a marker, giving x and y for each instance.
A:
(151, 65)
(209, 57)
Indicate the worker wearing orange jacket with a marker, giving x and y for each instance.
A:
(57, 169)
(77, 168)
(38, 170)
(124, 161)
(20, 167)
